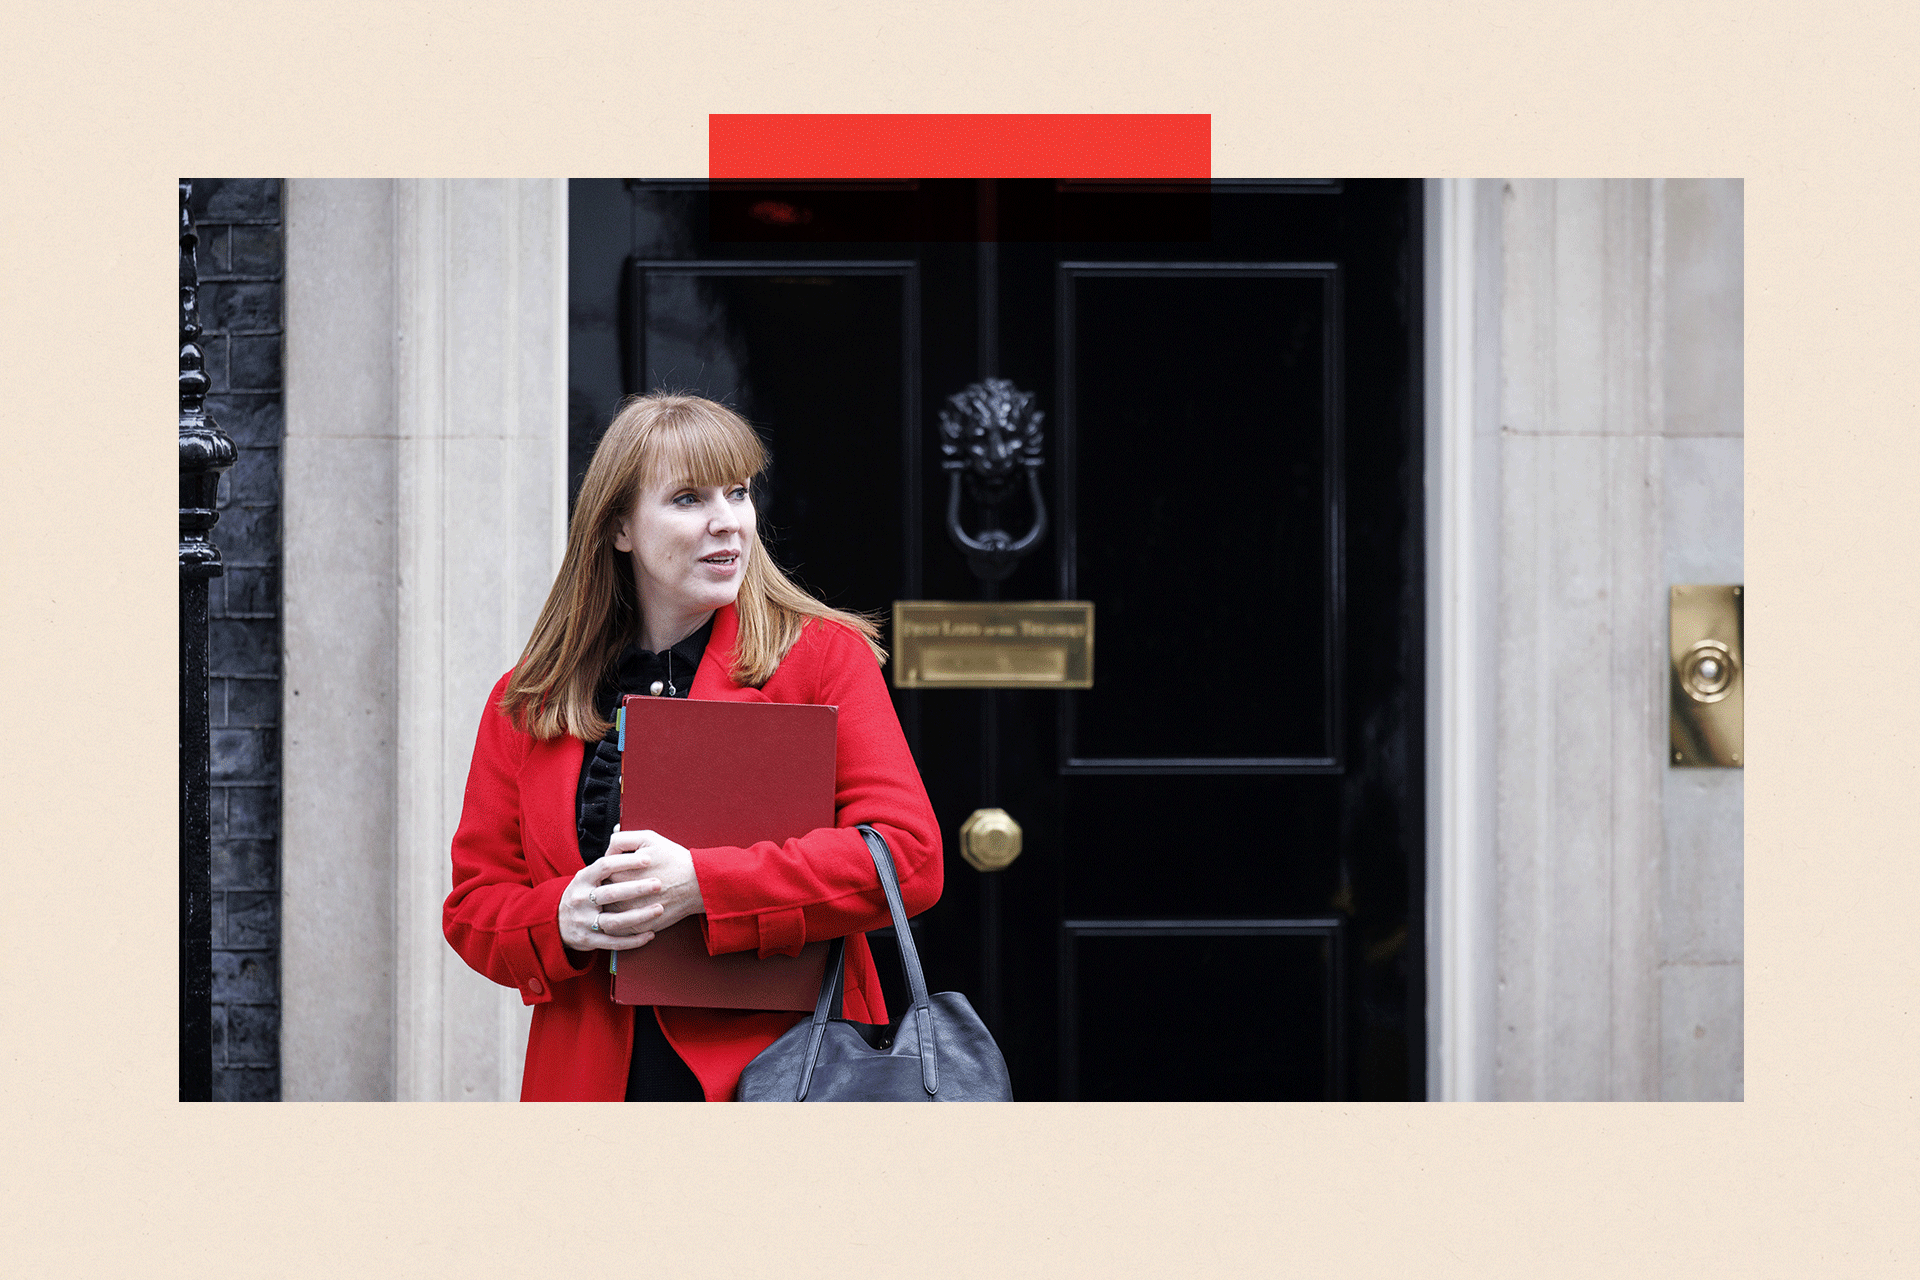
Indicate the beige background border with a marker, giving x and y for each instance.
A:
(1814, 1175)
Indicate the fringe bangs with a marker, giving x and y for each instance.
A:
(701, 443)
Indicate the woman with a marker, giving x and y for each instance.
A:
(666, 589)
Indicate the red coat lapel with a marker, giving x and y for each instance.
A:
(712, 683)
(550, 779)
(549, 785)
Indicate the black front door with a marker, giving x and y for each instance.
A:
(1220, 889)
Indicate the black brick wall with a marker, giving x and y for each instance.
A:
(242, 262)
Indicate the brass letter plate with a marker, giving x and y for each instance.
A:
(1022, 644)
(1707, 681)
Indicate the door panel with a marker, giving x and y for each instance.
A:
(1197, 846)
(1223, 835)
(1199, 428)
(1258, 1003)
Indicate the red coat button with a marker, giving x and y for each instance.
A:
(535, 985)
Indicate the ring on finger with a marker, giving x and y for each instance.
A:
(594, 924)
(590, 898)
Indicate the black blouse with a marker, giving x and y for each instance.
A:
(656, 1073)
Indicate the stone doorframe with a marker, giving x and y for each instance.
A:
(1584, 452)
(425, 514)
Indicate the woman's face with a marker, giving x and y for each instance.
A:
(689, 545)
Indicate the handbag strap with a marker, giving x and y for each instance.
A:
(823, 1008)
(830, 987)
(909, 957)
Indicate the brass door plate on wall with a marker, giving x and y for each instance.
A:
(1707, 676)
(990, 644)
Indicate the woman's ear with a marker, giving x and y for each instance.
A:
(622, 540)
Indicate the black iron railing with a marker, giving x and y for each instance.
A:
(205, 452)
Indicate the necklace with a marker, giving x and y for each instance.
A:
(671, 690)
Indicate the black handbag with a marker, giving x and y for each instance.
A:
(939, 1051)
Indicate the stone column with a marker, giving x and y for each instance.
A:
(425, 514)
(1582, 698)
(1702, 920)
(1618, 947)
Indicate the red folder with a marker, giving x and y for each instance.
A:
(708, 774)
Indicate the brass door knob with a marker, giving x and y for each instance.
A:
(989, 839)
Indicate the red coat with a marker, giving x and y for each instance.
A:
(516, 850)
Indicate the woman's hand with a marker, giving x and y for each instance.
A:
(643, 884)
(660, 884)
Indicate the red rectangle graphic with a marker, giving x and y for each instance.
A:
(853, 147)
